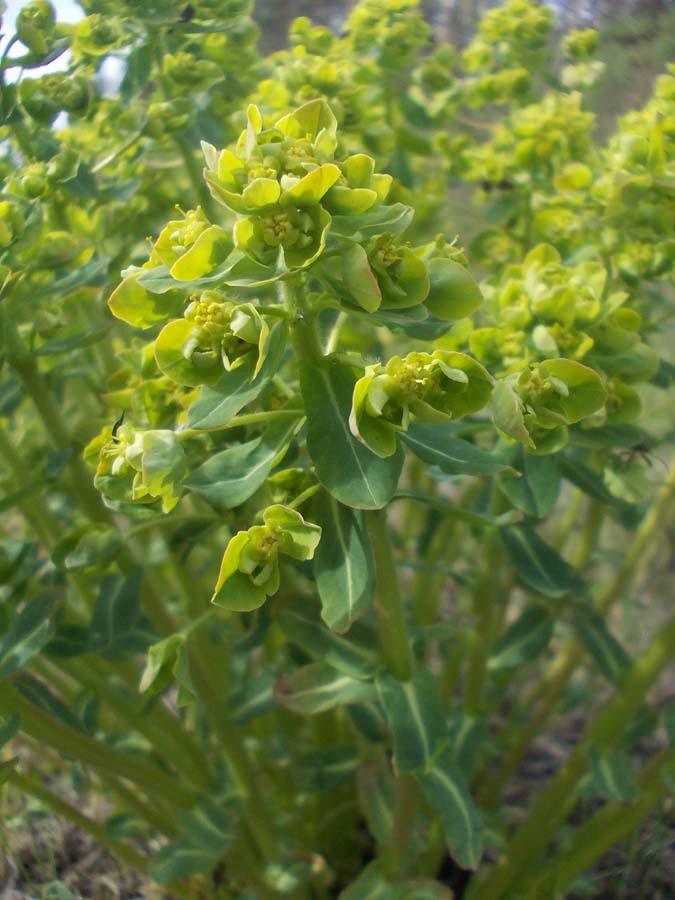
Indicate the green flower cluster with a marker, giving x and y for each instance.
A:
(283, 184)
(635, 190)
(391, 31)
(509, 46)
(433, 387)
(532, 143)
(138, 466)
(542, 310)
(249, 572)
(214, 336)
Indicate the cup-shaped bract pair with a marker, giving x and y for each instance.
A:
(138, 466)
(249, 572)
(536, 406)
(433, 387)
(215, 336)
(284, 184)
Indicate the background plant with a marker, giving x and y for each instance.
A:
(413, 492)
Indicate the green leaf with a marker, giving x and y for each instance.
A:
(209, 250)
(523, 640)
(507, 413)
(604, 649)
(394, 218)
(372, 885)
(8, 728)
(467, 735)
(254, 698)
(536, 491)
(343, 564)
(230, 477)
(414, 712)
(235, 590)
(447, 793)
(355, 656)
(327, 768)
(453, 293)
(438, 446)
(612, 775)
(347, 469)
(359, 279)
(30, 630)
(317, 687)
(377, 796)
(7, 766)
(540, 567)
(159, 668)
(173, 363)
(84, 338)
(180, 859)
(116, 629)
(135, 305)
(586, 480)
(216, 405)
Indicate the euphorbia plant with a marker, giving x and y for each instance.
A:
(294, 620)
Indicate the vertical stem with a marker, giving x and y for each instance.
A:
(123, 852)
(613, 822)
(543, 699)
(391, 621)
(243, 774)
(550, 807)
(43, 727)
(484, 600)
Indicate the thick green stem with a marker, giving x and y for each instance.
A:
(244, 775)
(194, 171)
(45, 728)
(613, 822)
(550, 807)
(391, 620)
(174, 744)
(121, 851)
(35, 386)
(33, 507)
(396, 852)
(544, 698)
(484, 600)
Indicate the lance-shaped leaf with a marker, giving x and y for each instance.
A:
(377, 798)
(536, 491)
(355, 656)
(540, 567)
(612, 775)
(447, 794)
(167, 660)
(343, 564)
(325, 769)
(439, 446)
(216, 405)
(347, 469)
(507, 413)
(318, 687)
(8, 728)
(523, 640)
(30, 630)
(117, 627)
(230, 477)
(415, 715)
(586, 479)
(254, 698)
(604, 649)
